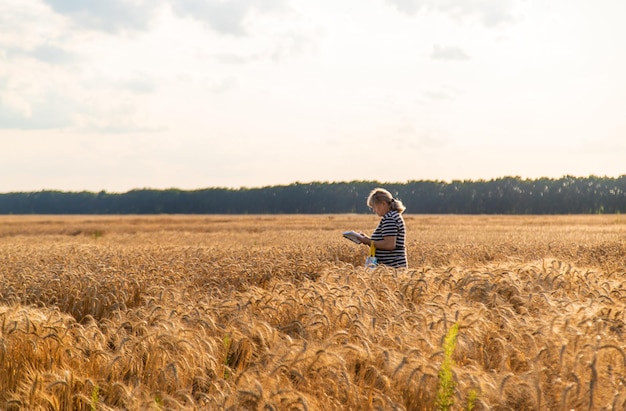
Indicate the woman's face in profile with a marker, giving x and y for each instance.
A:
(380, 208)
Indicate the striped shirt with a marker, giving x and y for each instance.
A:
(391, 224)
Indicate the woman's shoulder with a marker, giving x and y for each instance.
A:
(392, 215)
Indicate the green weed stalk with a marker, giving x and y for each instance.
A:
(445, 389)
(95, 397)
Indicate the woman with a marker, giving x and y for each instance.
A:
(389, 236)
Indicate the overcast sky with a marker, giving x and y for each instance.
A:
(121, 94)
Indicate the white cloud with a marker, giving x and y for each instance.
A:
(55, 75)
(491, 13)
(138, 83)
(224, 85)
(112, 16)
(227, 17)
(449, 53)
(116, 16)
(50, 111)
(236, 59)
(293, 44)
(279, 48)
(444, 93)
(46, 112)
(45, 52)
(35, 96)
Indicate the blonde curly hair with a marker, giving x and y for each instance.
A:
(380, 195)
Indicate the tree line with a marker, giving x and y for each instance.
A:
(506, 195)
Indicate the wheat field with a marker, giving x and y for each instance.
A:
(278, 313)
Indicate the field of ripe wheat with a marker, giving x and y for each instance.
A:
(277, 313)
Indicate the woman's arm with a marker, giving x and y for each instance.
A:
(388, 243)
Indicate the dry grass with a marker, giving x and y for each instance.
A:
(276, 312)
